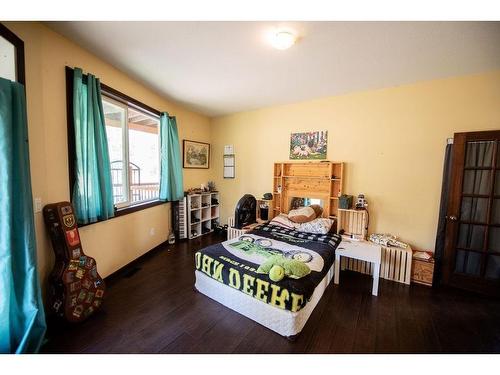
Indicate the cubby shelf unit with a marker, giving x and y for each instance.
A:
(203, 213)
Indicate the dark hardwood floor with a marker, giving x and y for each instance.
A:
(151, 307)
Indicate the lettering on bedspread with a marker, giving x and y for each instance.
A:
(262, 290)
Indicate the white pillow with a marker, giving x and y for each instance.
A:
(316, 226)
(282, 220)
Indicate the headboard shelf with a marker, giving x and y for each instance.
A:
(310, 181)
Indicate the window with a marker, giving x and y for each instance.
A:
(134, 152)
(11, 56)
(7, 59)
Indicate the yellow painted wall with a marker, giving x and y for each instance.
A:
(118, 241)
(392, 141)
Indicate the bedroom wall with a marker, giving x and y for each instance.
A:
(118, 241)
(392, 141)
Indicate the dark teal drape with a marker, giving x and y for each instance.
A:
(93, 190)
(22, 319)
(171, 186)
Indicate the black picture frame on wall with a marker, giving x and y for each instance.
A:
(202, 148)
(19, 47)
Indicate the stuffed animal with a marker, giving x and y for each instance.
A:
(276, 273)
(277, 267)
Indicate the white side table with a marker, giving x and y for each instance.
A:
(361, 250)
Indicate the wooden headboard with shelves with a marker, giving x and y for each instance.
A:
(314, 180)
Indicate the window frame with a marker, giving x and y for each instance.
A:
(19, 47)
(121, 98)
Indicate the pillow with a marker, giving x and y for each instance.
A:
(302, 215)
(283, 221)
(317, 209)
(316, 226)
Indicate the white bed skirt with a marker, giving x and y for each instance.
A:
(284, 322)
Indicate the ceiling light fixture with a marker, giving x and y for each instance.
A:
(283, 39)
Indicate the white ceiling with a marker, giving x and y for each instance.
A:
(218, 68)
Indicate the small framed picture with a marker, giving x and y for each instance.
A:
(195, 154)
(309, 145)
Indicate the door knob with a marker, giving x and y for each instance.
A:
(452, 218)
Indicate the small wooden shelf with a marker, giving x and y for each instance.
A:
(308, 179)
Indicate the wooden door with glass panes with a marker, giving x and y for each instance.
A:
(472, 249)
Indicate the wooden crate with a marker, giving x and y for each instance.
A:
(422, 271)
(353, 222)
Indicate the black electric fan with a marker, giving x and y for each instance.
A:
(245, 212)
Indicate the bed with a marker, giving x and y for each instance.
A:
(226, 272)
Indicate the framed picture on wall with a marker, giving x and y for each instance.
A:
(195, 154)
(308, 146)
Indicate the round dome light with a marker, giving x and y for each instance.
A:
(283, 39)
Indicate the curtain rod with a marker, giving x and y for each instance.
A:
(118, 95)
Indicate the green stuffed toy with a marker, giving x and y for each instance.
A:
(276, 273)
(278, 267)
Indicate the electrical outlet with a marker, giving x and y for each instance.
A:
(152, 231)
(38, 205)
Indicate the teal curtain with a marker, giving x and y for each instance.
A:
(171, 186)
(22, 319)
(93, 189)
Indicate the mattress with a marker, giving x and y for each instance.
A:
(284, 322)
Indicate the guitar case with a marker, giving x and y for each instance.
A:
(76, 289)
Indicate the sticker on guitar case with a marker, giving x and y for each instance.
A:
(51, 215)
(97, 303)
(90, 297)
(66, 210)
(69, 220)
(73, 300)
(73, 287)
(72, 237)
(89, 263)
(82, 295)
(80, 273)
(86, 283)
(78, 311)
(99, 293)
(76, 253)
(83, 259)
(73, 265)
